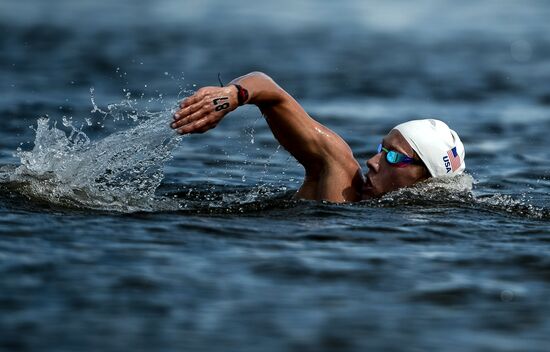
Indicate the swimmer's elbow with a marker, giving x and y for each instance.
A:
(258, 77)
(261, 75)
(263, 89)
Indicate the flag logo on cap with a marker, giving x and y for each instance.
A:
(452, 160)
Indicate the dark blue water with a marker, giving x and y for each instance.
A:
(116, 234)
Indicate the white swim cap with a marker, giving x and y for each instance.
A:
(436, 144)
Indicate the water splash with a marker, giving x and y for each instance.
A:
(458, 192)
(119, 172)
(433, 189)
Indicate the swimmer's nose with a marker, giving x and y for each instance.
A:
(374, 163)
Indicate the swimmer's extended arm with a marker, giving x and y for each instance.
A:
(328, 160)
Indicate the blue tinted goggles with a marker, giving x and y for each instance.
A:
(396, 158)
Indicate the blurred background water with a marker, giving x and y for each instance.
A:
(116, 234)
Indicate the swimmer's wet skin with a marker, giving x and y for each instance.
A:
(411, 152)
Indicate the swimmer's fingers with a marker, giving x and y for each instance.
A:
(201, 112)
(199, 96)
(190, 105)
(190, 100)
(197, 101)
(202, 125)
(188, 111)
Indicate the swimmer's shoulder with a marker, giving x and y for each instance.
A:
(340, 180)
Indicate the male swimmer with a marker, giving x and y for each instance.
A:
(411, 152)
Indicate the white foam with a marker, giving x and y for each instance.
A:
(118, 172)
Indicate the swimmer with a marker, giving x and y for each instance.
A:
(410, 153)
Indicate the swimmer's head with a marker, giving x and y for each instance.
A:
(412, 152)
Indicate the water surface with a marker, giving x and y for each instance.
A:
(116, 234)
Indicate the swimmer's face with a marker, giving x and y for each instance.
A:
(384, 177)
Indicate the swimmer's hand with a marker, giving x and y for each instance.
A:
(205, 109)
